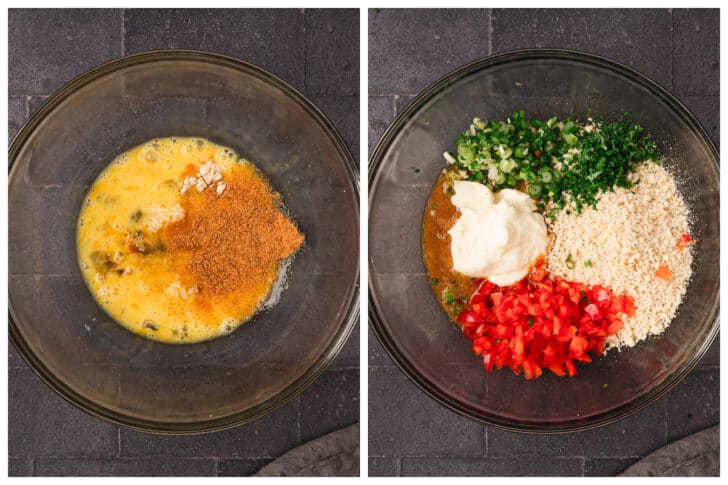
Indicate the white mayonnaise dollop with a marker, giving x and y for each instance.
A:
(498, 236)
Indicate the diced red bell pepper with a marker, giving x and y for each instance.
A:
(541, 323)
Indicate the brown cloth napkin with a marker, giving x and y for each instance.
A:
(697, 455)
(333, 455)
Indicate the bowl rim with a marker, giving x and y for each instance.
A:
(348, 319)
(376, 321)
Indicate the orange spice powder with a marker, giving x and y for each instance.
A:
(235, 239)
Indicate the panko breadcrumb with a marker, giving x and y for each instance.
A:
(622, 243)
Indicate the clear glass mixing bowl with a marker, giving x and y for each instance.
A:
(404, 314)
(89, 359)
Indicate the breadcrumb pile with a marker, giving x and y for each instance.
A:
(622, 244)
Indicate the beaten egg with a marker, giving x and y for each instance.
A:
(121, 249)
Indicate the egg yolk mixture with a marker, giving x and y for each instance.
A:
(180, 240)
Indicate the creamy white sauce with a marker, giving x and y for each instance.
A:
(498, 236)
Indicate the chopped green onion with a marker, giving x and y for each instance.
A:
(570, 139)
(546, 175)
(534, 190)
(587, 263)
(570, 262)
(449, 297)
(435, 281)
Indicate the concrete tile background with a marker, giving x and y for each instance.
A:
(315, 51)
(410, 434)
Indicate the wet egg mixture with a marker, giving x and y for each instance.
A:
(180, 240)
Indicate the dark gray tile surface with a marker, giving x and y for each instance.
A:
(637, 435)
(409, 49)
(707, 110)
(638, 39)
(17, 111)
(237, 467)
(402, 423)
(712, 356)
(696, 65)
(339, 109)
(409, 433)
(694, 405)
(381, 114)
(271, 435)
(383, 467)
(20, 467)
(328, 31)
(529, 465)
(47, 48)
(147, 466)
(52, 49)
(271, 39)
(607, 467)
(329, 402)
(43, 424)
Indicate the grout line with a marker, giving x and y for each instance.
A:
(486, 440)
(332, 95)
(341, 368)
(490, 31)
(667, 417)
(298, 420)
(305, 52)
(118, 441)
(217, 467)
(123, 33)
(29, 95)
(27, 106)
(398, 467)
(672, 49)
(583, 466)
(140, 457)
(32, 467)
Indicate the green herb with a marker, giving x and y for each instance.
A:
(557, 160)
(435, 281)
(457, 308)
(531, 321)
(570, 262)
(448, 297)
(588, 263)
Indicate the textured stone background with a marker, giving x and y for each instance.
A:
(409, 433)
(315, 51)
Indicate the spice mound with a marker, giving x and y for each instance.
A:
(235, 238)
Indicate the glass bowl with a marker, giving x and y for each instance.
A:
(407, 319)
(106, 370)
